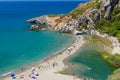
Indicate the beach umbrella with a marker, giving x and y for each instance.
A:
(13, 75)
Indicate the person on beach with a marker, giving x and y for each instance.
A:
(39, 67)
(33, 74)
(53, 65)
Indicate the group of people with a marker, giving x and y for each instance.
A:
(33, 74)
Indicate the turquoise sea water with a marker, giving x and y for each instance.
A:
(89, 63)
(20, 47)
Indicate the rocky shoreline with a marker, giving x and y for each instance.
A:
(85, 22)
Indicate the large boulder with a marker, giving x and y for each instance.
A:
(38, 20)
(34, 28)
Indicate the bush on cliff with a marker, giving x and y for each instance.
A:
(82, 8)
(111, 27)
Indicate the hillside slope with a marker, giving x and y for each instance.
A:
(85, 18)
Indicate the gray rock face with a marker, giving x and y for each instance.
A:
(34, 28)
(94, 15)
(83, 21)
(109, 6)
(87, 21)
(114, 2)
(73, 22)
(108, 13)
(40, 22)
(66, 29)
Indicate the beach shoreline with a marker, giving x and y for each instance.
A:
(63, 54)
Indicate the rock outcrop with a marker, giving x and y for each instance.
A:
(108, 7)
(39, 23)
(38, 20)
(66, 24)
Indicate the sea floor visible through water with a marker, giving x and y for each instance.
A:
(20, 47)
(88, 62)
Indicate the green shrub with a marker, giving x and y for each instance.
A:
(112, 59)
(82, 8)
(115, 75)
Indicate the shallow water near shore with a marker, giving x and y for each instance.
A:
(89, 63)
(23, 50)
(20, 47)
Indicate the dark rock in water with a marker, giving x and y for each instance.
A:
(40, 22)
(34, 28)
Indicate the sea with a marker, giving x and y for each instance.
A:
(20, 47)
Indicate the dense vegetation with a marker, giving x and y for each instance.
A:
(115, 61)
(112, 59)
(97, 39)
(115, 75)
(111, 27)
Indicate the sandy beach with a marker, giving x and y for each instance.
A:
(50, 67)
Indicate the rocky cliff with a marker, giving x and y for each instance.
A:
(80, 20)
